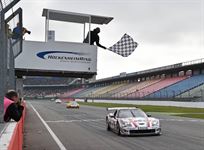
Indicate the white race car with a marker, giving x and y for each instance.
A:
(58, 101)
(131, 121)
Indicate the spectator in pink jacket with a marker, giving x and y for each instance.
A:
(12, 107)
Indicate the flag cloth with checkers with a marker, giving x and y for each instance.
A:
(125, 46)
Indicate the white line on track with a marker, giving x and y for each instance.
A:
(56, 139)
(182, 120)
(69, 121)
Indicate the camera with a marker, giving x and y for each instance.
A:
(29, 32)
(26, 31)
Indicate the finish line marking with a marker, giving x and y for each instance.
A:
(56, 139)
(96, 120)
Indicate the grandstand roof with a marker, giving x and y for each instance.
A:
(45, 86)
(31, 72)
(74, 17)
(175, 68)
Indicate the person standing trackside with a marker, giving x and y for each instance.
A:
(94, 38)
(17, 32)
(12, 106)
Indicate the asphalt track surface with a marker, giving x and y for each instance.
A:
(84, 129)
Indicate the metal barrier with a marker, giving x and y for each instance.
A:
(16, 142)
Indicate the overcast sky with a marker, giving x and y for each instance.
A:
(168, 31)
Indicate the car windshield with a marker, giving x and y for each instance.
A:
(138, 113)
(74, 103)
(131, 113)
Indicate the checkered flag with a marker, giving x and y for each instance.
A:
(125, 46)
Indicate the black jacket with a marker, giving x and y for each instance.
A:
(14, 111)
(94, 38)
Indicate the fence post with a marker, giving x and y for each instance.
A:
(202, 95)
(3, 64)
(19, 86)
(11, 70)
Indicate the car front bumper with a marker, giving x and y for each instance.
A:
(132, 131)
(72, 106)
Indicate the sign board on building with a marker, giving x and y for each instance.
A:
(57, 56)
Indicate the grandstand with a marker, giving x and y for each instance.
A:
(178, 81)
(48, 81)
(45, 87)
(180, 87)
(43, 92)
(194, 92)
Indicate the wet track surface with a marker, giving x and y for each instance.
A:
(84, 129)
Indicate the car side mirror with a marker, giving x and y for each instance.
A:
(149, 115)
(111, 115)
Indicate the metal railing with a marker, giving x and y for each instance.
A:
(6, 5)
(193, 62)
(16, 45)
(3, 63)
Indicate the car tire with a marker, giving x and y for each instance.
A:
(107, 126)
(118, 129)
(159, 134)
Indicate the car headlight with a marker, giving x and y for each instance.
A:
(125, 123)
(155, 123)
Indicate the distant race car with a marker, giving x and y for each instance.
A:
(72, 104)
(58, 101)
(131, 121)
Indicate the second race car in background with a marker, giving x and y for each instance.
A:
(72, 104)
(58, 101)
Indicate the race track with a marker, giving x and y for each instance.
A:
(84, 129)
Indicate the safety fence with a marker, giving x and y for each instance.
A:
(9, 47)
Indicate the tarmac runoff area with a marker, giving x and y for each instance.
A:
(50, 126)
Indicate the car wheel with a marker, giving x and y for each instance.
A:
(159, 134)
(107, 126)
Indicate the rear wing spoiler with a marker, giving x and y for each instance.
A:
(118, 108)
(109, 109)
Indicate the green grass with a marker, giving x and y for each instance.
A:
(188, 112)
